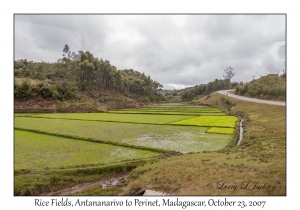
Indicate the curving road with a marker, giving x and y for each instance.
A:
(225, 92)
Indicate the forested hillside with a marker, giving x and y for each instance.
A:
(270, 86)
(74, 80)
(191, 93)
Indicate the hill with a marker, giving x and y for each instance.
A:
(272, 87)
(88, 85)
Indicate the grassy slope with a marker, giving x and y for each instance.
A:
(260, 158)
(32, 183)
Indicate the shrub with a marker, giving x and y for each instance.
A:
(45, 91)
(65, 91)
(23, 90)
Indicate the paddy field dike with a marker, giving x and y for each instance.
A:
(59, 150)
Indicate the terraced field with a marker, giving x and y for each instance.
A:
(112, 117)
(63, 141)
(171, 111)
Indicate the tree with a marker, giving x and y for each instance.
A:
(283, 74)
(75, 57)
(87, 70)
(228, 73)
(66, 50)
(71, 55)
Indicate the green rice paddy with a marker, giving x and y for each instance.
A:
(182, 110)
(166, 137)
(221, 130)
(210, 121)
(38, 151)
(158, 131)
(168, 112)
(112, 117)
(187, 111)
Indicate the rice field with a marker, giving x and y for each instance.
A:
(113, 117)
(172, 110)
(168, 112)
(166, 137)
(210, 121)
(38, 151)
(67, 141)
(220, 130)
(157, 131)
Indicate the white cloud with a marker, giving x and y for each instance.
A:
(177, 51)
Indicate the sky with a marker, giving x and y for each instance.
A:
(178, 51)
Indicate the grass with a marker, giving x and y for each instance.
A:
(97, 190)
(210, 121)
(220, 130)
(176, 138)
(33, 183)
(37, 152)
(190, 174)
(113, 117)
